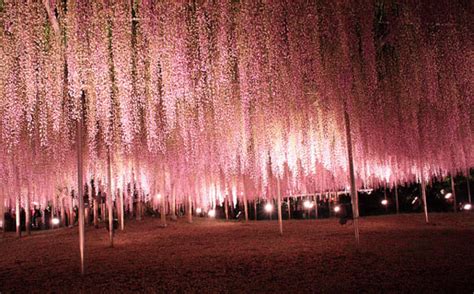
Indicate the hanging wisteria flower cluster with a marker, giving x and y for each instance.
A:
(214, 98)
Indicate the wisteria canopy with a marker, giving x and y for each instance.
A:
(214, 98)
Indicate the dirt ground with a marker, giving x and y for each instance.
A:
(396, 254)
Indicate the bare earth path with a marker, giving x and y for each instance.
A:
(397, 254)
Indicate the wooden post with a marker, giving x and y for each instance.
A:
(423, 195)
(27, 211)
(96, 212)
(246, 208)
(109, 199)
(17, 214)
(354, 195)
(71, 210)
(226, 207)
(63, 213)
(315, 206)
(80, 187)
(280, 221)
(453, 191)
(173, 203)
(289, 207)
(255, 212)
(396, 199)
(468, 176)
(122, 210)
(2, 209)
(163, 202)
(190, 208)
(131, 196)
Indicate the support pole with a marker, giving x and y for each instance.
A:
(63, 212)
(280, 221)
(453, 191)
(190, 209)
(289, 207)
(163, 202)
(173, 203)
(354, 196)
(96, 212)
(27, 211)
(80, 195)
(423, 194)
(122, 210)
(246, 208)
(315, 206)
(468, 176)
(109, 200)
(226, 207)
(17, 215)
(255, 212)
(2, 209)
(396, 200)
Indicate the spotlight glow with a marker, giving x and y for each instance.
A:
(308, 204)
(268, 207)
(55, 221)
(198, 210)
(337, 208)
(384, 202)
(158, 196)
(447, 196)
(467, 206)
(211, 213)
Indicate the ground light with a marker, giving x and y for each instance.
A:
(448, 195)
(55, 221)
(198, 210)
(467, 206)
(211, 213)
(384, 202)
(337, 208)
(268, 207)
(308, 204)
